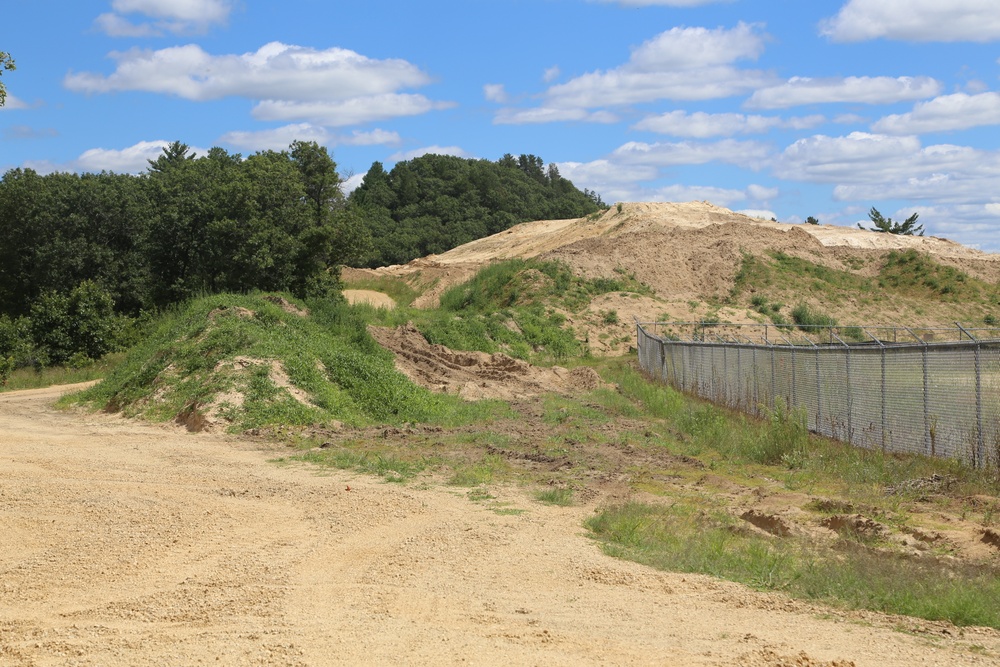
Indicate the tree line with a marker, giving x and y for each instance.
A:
(83, 255)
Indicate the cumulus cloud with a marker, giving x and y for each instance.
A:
(915, 20)
(701, 125)
(870, 159)
(276, 71)
(279, 139)
(173, 16)
(132, 160)
(352, 183)
(763, 214)
(857, 89)
(429, 150)
(751, 154)
(960, 182)
(333, 87)
(494, 92)
(551, 74)
(680, 64)
(948, 112)
(348, 112)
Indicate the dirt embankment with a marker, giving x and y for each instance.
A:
(682, 250)
(133, 544)
(476, 375)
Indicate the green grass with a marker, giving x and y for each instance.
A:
(684, 538)
(329, 356)
(30, 378)
(560, 497)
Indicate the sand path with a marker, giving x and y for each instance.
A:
(135, 544)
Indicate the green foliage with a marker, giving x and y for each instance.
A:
(913, 271)
(812, 221)
(809, 320)
(610, 317)
(6, 64)
(190, 359)
(510, 306)
(433, 203)
(79, 324)
(192, 225)
(908, 227)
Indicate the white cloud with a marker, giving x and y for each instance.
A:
(551, 74)
(348, 112)
(276, 71)
(948, 112)
(429, 150)
(763, 214)
(749, 154)
(352, 183)
(114, 25)
(551, 115)
(915, 20)
(277, 139)
(333, 87)
(856, 89)
(679, 64)
(605, 173)
(761, 193)
(175, 16)
(131, 160)
(701, 125)
(12, 103)
(616, 180)
(376, 137)
(875, 160)
(494, 92)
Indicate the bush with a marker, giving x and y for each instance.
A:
(81, 322)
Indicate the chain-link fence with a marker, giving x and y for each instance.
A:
(937, 393)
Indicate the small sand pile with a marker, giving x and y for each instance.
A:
(477, 375)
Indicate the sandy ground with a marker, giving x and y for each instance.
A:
(135, 544)
(371, 297)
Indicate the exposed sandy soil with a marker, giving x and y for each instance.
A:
(686, 253)
(476, 375)
(371, 297)
(136, 544)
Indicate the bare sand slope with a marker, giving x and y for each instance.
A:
(132, 544)
(682, 250)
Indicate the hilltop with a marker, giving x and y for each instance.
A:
(704, 261)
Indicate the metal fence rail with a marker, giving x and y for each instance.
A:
(934, 398)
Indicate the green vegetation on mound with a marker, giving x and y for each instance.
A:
(907, 281)
(251, 362)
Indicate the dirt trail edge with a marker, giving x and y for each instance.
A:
(136, 544)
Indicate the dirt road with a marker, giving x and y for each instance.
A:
(133, 544)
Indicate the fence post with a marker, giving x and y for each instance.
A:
(928, 446)
(980, 442)
(850, 399)
(819, 394)
(882, 356)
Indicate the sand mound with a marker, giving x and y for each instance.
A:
(371, 297)
(477, 375)
(683, 251)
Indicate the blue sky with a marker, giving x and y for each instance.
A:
(783, 108)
